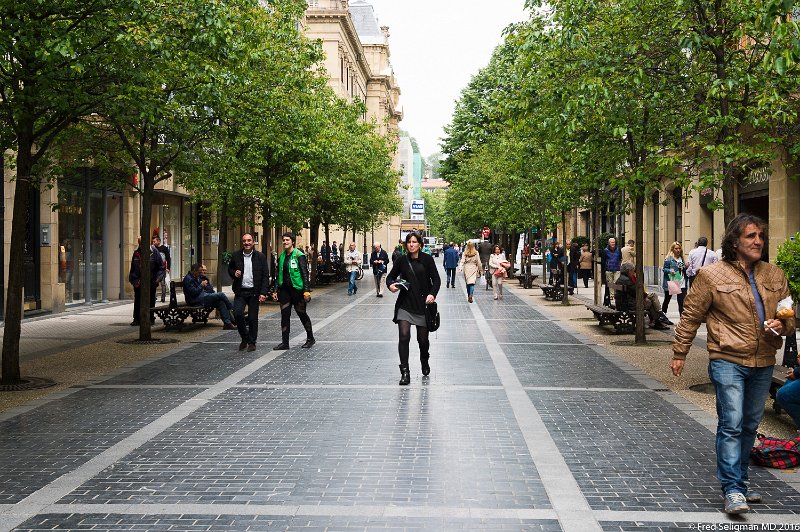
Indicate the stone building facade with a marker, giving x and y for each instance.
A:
(79, 253)
(357, 60)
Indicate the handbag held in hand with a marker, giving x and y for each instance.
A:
(432, 318)
(674, 285)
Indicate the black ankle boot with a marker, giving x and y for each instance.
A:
(405, 376)
(426, 368)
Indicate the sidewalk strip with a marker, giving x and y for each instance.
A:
(45, 497)
(574, 513)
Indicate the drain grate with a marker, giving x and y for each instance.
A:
(27, 383)
(154, 341)
(704, 387)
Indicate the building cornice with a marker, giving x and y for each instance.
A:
(342, 17)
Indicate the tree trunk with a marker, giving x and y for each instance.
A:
(266, 234)
(728, 193)
(222, 245)
(314, 226)
(330, 251)
(13, 313)
(145, 328)
(639, 232)
(598, 283)
(565, 262)
(542, 234)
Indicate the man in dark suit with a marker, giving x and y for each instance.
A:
(250, 274)
(484, 250)
(135, 278)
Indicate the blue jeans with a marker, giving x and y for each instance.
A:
(741, 392)
(351, 286)
(221, 302)
(470, 289)
(789, 399)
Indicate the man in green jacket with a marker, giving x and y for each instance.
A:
(292, 290)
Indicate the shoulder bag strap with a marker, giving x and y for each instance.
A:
(704, 258)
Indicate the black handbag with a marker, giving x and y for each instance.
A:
(432, 318)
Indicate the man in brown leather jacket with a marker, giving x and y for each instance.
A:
(737, 298)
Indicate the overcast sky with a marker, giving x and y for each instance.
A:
(436, 47)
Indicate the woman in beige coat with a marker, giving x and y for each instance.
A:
(585, 265)
(471, 264)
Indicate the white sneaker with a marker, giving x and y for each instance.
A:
(735, 503)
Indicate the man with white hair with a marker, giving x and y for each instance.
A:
(379, 260)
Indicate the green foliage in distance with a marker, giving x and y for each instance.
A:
(788, 260)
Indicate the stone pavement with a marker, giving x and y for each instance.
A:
(522, 425)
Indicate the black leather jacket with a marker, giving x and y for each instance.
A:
(260, 272)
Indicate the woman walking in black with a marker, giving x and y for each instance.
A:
(416, 277)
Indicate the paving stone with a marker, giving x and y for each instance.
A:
(625, 526)
(398, 446)
(511, 331)
(450, 330)
(543, 365)
(633, 451)
(354, 364)
(202, 363)
(41, 445)
(226, 523)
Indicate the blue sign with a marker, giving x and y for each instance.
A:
(418, 206)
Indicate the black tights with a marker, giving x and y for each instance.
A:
(405, 340)
(668, 298)
(286, 313)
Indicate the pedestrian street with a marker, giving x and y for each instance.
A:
(521, 425)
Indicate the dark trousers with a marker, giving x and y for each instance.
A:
(451, 276)
(248, 329)
(137, 303)
(585, 276)
(289, 297)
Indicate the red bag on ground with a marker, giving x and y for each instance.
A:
(780, 454)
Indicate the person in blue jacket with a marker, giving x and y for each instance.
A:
(451, 258)
(198, 290)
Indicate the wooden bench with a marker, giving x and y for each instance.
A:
(175, 314)
(326, 277)
(622, 320)
(552, 292)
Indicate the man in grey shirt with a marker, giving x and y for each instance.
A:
(698, 257)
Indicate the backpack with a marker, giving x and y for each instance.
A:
(781, 454)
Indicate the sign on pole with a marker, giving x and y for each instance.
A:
(485, 232)
(418, 206)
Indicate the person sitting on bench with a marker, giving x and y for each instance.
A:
(198, 290)
(626, 298)
(788, 395)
